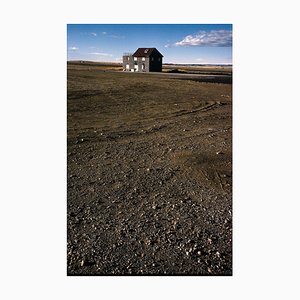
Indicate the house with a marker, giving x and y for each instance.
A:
(143, 60)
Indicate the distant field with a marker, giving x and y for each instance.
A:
(220, 70)
(149, 172)
(85, 65)
(207, 69)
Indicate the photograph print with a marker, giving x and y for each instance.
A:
(149, 149)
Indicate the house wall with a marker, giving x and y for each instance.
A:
(155, 63)
(127, 60)
(139, 62)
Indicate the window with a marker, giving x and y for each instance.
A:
(143, 58)
(135, 58)
(152, 58)
(159, 59)
(128, 58)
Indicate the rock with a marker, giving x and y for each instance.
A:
(82, 263)
(147, 242)
(219, 152)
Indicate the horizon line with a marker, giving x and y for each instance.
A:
(166, 63)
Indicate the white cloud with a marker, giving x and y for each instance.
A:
(94, 33)
(73, 48)
(211, 38)
(113, 35)
(117, 36)
(100, 54)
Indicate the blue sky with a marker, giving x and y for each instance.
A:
(179, 43)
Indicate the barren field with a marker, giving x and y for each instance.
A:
(149, 173)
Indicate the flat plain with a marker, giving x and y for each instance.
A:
(149, 171)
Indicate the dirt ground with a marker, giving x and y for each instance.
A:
(149, 174)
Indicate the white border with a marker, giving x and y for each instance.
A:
(266, 150)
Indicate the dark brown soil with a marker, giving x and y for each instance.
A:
(149, 175)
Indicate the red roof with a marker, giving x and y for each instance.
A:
(146, 52)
